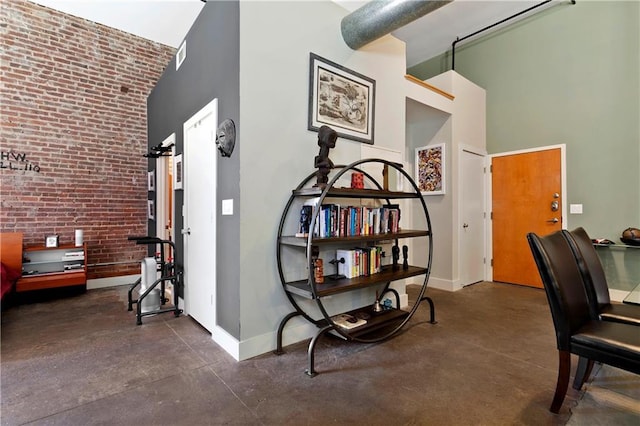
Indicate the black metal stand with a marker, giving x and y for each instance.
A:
(381, 322)
(432, 309)
(169, 271)
(311, 372)
(284, 321)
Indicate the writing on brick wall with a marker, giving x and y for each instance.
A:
(17, 161)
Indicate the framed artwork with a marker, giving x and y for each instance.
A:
(430, 169)
(151, 210)
(341, 99)
(151, 180)
(51, 241)
(177, 171)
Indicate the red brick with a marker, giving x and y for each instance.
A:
(60, 101)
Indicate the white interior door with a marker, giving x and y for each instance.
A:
(472, 232)
(200, 164)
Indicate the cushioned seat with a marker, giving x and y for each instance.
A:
(577, 330)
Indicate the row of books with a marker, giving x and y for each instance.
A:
(359, 261)
(335, 220)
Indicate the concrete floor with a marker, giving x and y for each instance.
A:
(490, 360)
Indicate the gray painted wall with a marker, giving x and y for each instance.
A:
(568, 75)
(278, 150)
(254, 57)
(211, 70)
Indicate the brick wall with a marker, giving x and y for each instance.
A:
(73, 130)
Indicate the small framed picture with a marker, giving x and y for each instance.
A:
(177, 172)
(342, 99)
(430, 169)
(51, 241)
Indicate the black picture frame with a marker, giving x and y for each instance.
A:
(341, 99)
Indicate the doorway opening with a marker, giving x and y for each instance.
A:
(471, 223)
(165, 208)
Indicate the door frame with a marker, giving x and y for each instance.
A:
(489, 192)
(161, 190)
(483, 154)
(394, 155)
(209, 108)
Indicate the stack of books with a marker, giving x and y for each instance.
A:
(359, 262)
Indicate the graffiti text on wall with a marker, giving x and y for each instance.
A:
(17, 161)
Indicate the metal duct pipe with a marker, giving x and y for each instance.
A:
(378, 18)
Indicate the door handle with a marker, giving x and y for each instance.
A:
(554, 220)
(555, 206)
(186, 231)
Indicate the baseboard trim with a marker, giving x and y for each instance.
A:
(226, 342)
(262, 344)
(111, 281)
(441, 284)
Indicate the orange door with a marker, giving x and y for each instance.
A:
(526, 192)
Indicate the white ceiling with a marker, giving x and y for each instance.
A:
(163, 21)
(168, 21)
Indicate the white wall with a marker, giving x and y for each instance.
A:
(277, 150)
(456, 123)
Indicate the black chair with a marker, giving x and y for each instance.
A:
(596, 281)
(597, 292)
(577, 332)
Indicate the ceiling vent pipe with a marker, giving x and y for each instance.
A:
(378, 18)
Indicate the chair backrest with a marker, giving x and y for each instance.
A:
(590, 267)
(563, 284)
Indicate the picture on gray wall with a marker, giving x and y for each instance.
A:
(341, 98)
(430, 169)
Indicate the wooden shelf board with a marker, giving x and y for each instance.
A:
(329, 287)
(355, 193)
(431, 87)
(302, 241)
(376, 321)
(51, 280)
(71, 247)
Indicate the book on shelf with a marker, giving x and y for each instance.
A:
(358, 262)
(345, 268)
(305, 221)
(347, 321)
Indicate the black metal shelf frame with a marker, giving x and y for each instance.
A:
(309, 289)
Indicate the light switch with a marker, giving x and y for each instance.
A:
(575, 208)
(227, 207)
